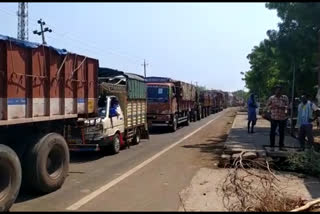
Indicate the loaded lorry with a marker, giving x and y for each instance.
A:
(43, 92)
(207, 102)
(218, 101)
(122, 118)
(170, 102)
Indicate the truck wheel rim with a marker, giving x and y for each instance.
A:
(117, 144)
(5, 181)
(55, 162)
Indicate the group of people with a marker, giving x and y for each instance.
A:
(277, 112)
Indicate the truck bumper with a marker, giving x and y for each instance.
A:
(92, 145)
(159, 120)
(84, 147)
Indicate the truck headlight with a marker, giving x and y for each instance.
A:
(100, 126)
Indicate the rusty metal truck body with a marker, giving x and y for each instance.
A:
(170, 102)
(207, 102)
(43, 92)
(218, 101)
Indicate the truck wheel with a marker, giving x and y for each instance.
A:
(195, 116)
(47, 163)
(187, 123)
(10, 177)
(174, 124)
(137, 137)
(115, 146)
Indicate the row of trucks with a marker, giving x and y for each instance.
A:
(53, 102)
(172, 102)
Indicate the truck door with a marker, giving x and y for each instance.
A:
(115, 115)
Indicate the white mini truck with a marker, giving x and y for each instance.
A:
(122, 117)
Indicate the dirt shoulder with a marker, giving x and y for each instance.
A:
(204, 192)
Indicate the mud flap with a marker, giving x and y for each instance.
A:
(121, 140)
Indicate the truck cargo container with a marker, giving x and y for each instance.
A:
(43, 91)
(226, 99)
(207, 102)
(170, 102)
(129, 125)
(218, 101)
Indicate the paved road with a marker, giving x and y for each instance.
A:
(153, 186)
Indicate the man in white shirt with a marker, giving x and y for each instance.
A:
(304, 121)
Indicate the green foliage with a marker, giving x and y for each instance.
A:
(202, 88)
(241, 94)
(294, 45)
(307, 162)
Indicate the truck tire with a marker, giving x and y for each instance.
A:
(137, 137)
(47, 163)
(187, 123)
(174, 124)
(115, 146)
(195, 116)
(199, 115)
(10, 177)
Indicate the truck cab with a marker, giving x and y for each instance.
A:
(103, 131)
(166, 104)
(162, 104)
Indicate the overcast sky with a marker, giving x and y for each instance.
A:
(205, 43)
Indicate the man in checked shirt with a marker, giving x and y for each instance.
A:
(278, 105)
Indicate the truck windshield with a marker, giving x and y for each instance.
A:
(158, 93)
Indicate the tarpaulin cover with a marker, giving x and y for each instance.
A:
(158, 79)
(27, 44)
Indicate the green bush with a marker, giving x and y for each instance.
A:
(307, 162)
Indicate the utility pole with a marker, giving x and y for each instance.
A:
(292, 97)
(42, 23)
(145, 68)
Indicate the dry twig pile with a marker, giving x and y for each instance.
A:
(252, 186)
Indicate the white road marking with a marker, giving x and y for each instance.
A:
(107, 186)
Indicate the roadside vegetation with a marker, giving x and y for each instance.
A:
(295, 45)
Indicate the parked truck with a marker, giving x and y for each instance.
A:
(170, 102)
(218, 101)
(43, 92)
(122, 119)
(207, 102)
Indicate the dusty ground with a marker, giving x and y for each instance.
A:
(154, 187)
(204, 192)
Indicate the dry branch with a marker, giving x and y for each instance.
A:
(307, 206)
(252, 186)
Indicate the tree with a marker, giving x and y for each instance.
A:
(294, 45)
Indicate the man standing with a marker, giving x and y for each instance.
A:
(304, 121)
(278, 105)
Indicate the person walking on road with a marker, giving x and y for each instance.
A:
(278, 105)
(304, 121)
(252, 115)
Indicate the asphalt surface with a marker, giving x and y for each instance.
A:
(154, 187)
